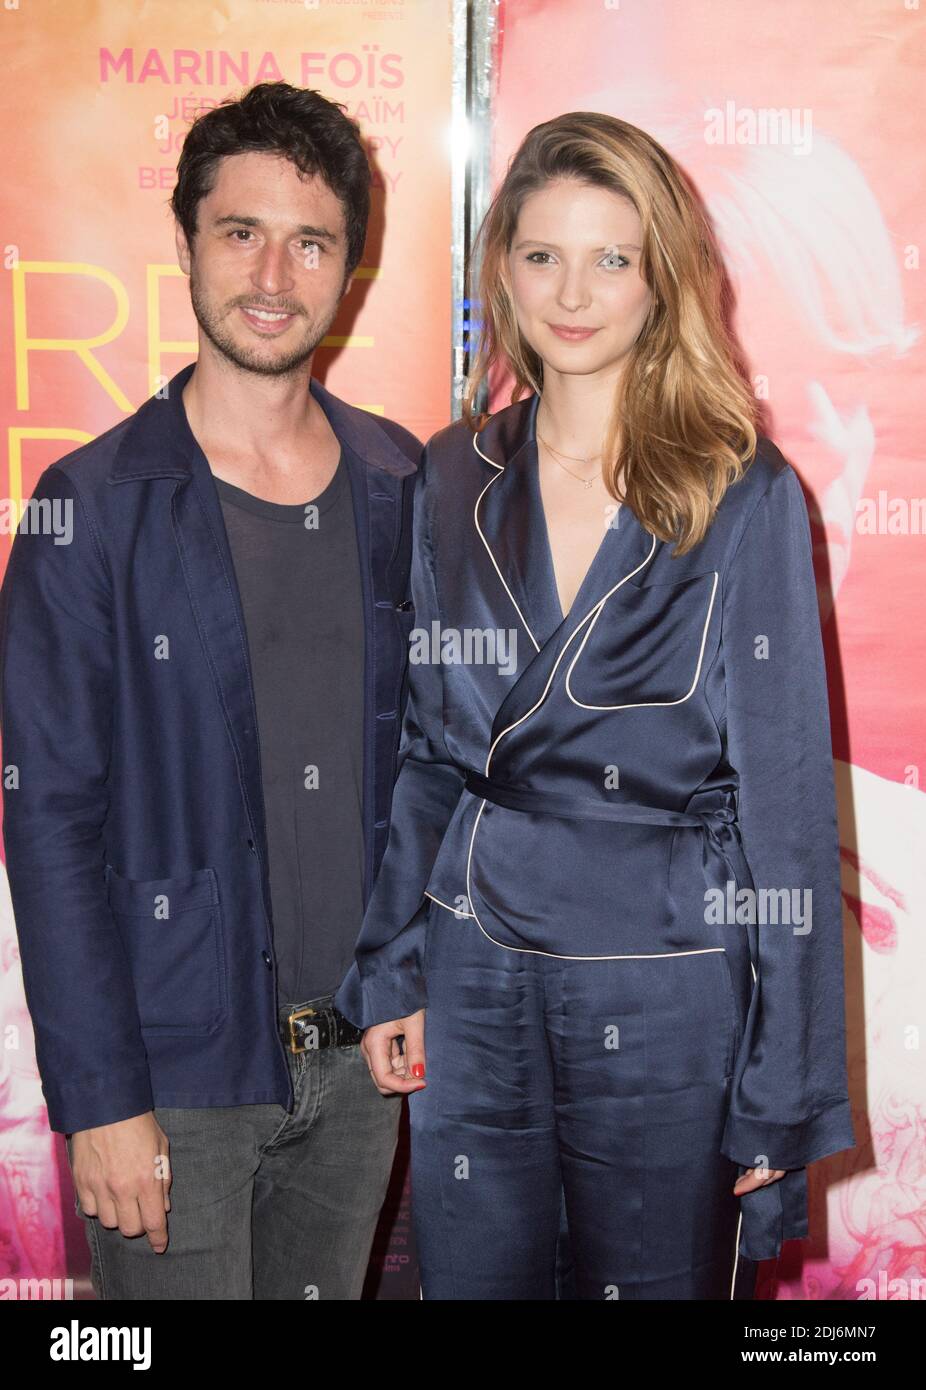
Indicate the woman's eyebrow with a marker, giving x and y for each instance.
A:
(611, 246)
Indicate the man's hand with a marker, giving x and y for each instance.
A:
(392, 1069)
(122, 1175)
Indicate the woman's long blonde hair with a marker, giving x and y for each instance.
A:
(685, 417)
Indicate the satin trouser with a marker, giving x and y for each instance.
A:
(581, 1094)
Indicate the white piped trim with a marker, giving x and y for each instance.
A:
(455, 910)
(643, 704)
(736, 1251)
(546, 690)
(486, 543)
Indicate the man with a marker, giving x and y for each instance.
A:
(201, 699)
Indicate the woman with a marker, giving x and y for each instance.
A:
(612, 881)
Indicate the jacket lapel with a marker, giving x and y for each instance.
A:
(506, 517)
(511, 525)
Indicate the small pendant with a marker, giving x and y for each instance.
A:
(589, 483)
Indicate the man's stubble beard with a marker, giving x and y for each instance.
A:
(246, 360)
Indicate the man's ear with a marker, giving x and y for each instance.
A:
(346, 290)
(183, 249)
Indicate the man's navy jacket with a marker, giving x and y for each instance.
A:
(133, 809)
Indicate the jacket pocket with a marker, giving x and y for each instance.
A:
(172, 929)
(645, 646)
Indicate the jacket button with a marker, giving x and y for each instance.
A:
(265, 957)
(251, 846)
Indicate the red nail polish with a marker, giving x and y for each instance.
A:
(418, 1070)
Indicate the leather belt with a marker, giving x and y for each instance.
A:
(306, 1029)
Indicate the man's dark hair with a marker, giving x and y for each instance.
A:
(294, 122)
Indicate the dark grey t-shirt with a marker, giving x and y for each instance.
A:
(298, 574)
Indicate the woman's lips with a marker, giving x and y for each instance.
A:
(572, 335)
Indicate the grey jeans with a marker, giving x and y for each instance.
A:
(265, 1204)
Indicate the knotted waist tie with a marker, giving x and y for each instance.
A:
(721, 847)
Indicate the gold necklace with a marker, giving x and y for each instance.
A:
(586, 482)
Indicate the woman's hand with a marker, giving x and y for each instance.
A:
(391, 1068)
(756, 1177)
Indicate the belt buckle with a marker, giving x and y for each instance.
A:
(299, 1013)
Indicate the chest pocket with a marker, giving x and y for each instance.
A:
(646, 645)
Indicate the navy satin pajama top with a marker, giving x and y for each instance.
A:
(618, 778)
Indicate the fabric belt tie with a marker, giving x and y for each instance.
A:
(718, 820)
